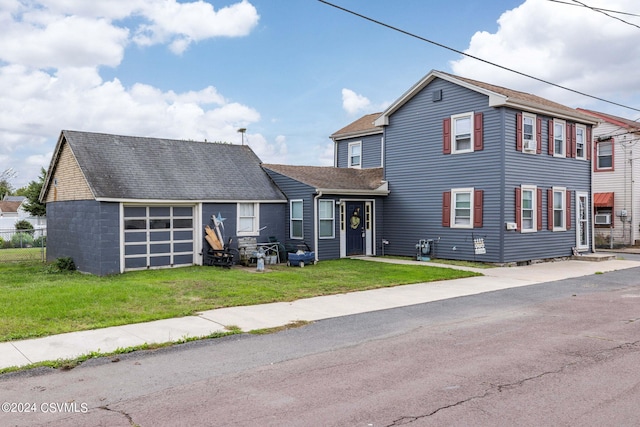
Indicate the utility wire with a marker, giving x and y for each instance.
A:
(474, 57)
(606, 14)
(597, 9)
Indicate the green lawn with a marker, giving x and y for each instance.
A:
(36, 302)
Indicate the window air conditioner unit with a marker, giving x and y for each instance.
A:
(603, 219)
(529, 145)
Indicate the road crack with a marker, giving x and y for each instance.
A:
(126, 415)
(499, 388)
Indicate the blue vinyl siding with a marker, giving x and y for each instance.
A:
(271, 223)
(418, 173)
(295, 190)
(545, 171)
(371, 151)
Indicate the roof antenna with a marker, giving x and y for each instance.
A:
(242, 131)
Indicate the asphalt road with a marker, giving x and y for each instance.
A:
(564, 353)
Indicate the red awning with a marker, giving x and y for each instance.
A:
(603, 200)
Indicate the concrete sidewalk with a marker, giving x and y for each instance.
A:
(71, 345)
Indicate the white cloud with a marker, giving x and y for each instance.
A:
(50, 56)
(180, 24)
(353, 103)
(572, 46)
(268, 153)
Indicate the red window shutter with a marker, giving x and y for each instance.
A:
(568, 210)
(538, 135)
(549, 209)
(446, 209)
(478, 201)
(519, 131)
(550, 132)
(539, 208)
(571, 137)
(518, 208)
(587, 143)
(478, 143)
(446, 136)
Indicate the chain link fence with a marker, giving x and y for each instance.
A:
(23, 245)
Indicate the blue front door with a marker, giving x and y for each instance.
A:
(355, 228)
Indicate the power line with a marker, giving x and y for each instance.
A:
(597, 9)
(474, 57)
(605, 13)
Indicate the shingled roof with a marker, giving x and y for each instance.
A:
(498, 97)
(335, 180)
(363, 126)
(128, 167)
(8, 206)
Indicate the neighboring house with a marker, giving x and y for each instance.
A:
(11, 207)
(119, 203)
(616, 179)
(490, 174)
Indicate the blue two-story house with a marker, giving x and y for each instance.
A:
(483, 172)
(479, 171)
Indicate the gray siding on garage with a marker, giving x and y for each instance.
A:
(371, 151)
(418, 173)
(88, 232)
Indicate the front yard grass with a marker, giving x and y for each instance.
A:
(36, 302)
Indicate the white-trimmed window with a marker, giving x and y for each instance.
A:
(528, 206)
(295, 220)
(529, 144)
(326, 219)
(248, 219)
(355, 154)
(604, 153)
(581, 142)
(462, 208)
(462, 132)
(559, 138)
(559, 208)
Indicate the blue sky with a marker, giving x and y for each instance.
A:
(290, 72)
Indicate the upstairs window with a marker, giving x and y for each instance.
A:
(604, 155)
(355, 154)
(559, 138)
(528, 133)
(462, 133)
(581, 142)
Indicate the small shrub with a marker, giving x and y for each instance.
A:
(24, 226)
(64, 264)
(22, 240)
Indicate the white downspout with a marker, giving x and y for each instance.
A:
(316, 230)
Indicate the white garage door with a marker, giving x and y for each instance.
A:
(158, 236)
